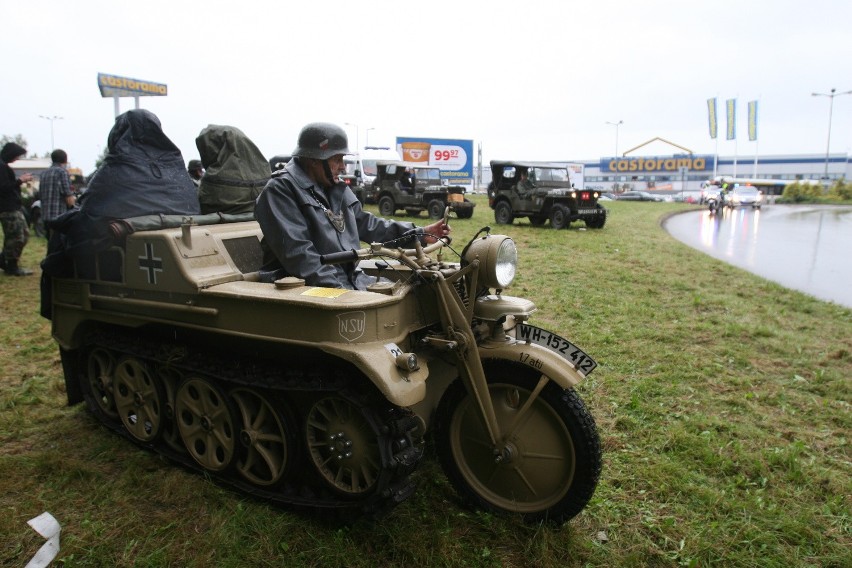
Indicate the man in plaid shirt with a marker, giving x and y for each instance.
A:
(54, 189)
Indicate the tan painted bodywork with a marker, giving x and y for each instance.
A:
(187, 278)
(206, 278)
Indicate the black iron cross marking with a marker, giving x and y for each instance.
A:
(150, 263)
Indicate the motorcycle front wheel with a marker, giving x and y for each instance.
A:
(547, 462)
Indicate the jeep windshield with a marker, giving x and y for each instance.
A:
(548, 174)
(433, 174)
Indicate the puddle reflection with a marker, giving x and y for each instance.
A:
(805, 247)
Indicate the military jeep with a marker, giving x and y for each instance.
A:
(415, 188)
(540, 191)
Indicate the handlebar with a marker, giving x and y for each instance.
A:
(415, 258)
(339, 257)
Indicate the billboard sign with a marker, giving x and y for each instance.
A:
(115, 86)
(454, 157)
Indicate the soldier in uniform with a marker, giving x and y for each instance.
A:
(306, 211)
(15, 230)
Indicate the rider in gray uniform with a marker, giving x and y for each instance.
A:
(306, 211)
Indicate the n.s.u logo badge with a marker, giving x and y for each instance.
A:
(351, 325)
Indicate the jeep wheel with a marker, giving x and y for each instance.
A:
(412, 212)
(503, 214)
(597, 222)
(386, 206)
(435, 209)
(537, 220)
(559, 217)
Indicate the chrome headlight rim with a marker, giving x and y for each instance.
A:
(498, 260)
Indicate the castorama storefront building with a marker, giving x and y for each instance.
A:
(687, 172)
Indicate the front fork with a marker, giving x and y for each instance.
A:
(456, 318)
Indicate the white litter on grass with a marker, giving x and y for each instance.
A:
(49, 528)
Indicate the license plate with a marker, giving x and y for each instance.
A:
(575, 356)
(589, 211)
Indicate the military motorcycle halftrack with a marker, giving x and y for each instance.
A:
(320, 398)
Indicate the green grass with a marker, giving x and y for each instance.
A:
(725, 427)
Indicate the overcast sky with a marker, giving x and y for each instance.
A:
(526, 79)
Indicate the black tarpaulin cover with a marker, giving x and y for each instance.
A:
(143, 173)
(235, 171)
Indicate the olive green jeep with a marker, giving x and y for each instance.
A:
(541, 191)
(415, 188)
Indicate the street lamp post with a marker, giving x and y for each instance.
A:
(357, 136)
(367, 136)
(830, 110)
(616, 124)
(51, 119)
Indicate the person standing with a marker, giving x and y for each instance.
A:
(54, 190)
(15, 230)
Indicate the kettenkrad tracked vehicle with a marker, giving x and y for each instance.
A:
(321, 398)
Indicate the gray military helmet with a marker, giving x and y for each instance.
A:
(321, 141)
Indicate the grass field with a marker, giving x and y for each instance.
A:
(724, 420)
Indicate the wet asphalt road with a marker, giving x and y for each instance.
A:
(803, 247)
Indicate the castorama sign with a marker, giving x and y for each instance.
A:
(668, 164)
(454, 157)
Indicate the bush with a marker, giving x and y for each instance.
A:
(840, 190)
(800, 192)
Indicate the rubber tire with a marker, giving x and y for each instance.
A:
(597, 222)
(559, 422)
(435, 208)
(387, 207)
(467, 211)
(559, 217)
(503, 213)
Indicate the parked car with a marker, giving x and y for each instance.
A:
(638, 196)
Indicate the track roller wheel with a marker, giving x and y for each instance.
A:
(100, 368)
(206, 423)
(170, 379)
(264, 444)
(139, 399)
(343, 445)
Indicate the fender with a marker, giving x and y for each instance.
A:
(538, 358)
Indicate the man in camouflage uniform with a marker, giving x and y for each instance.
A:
(15, 230)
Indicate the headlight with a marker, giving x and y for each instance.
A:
(498, 258)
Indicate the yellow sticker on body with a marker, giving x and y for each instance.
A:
(325, 292)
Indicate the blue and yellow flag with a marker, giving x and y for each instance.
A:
(731, 105)
(711, 115)
(752, 120)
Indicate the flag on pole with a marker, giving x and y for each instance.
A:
(711, 115)
(752, 120)
(731, 105)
